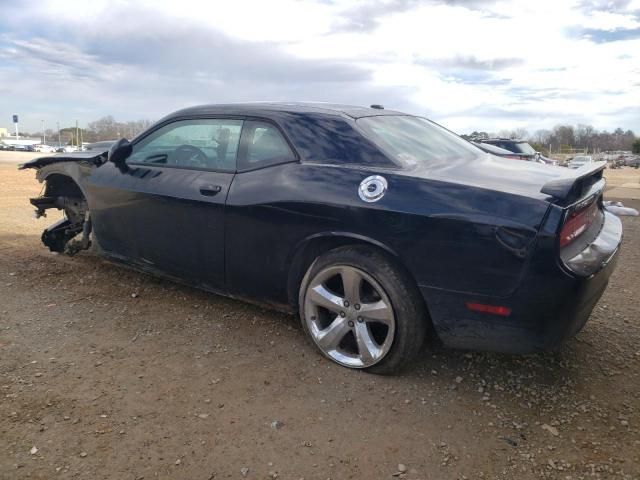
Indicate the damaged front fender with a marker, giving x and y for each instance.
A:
(78, 157)
(64, 177)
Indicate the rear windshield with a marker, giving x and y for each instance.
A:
(413, 140)
(492, 148)
(524, 147)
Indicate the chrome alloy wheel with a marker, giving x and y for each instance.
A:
(349, 316)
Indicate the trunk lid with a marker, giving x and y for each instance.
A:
(557, 185)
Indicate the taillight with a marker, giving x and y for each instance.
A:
(577, 223)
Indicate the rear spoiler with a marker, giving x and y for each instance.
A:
(573, 185)
(90, 157)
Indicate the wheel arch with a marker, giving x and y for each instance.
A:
(69, 176)
(62, 184)
(307, 250)
(63, 192)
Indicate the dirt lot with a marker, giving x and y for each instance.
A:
(106, 373)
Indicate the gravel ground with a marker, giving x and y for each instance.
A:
(107, 373)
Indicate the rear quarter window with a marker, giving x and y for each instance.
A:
(332, 139)
(263, 146)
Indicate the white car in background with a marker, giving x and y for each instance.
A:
(580, 161)
(69, 148)
(44, 148)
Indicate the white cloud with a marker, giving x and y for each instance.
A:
(470, 65)
(601, 20)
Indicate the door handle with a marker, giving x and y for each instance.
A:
(210, 190)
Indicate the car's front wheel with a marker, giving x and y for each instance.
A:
(361, 310)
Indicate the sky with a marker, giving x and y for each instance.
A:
(467, 64)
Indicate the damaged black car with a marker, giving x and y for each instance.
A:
(379, 229)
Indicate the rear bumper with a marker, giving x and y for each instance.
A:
(597, 253)
(550, 305)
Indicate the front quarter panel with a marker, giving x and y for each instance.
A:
(448, 236)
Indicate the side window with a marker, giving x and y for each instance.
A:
(206, 143)
(264, 145)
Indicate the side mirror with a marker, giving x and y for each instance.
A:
(119, 152)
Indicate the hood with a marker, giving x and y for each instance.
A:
(95, 157)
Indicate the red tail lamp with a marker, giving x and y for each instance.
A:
(492, 309)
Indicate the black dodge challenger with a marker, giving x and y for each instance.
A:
(378, 227)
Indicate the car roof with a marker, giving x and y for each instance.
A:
(262, 108)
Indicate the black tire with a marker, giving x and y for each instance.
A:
(410, 314)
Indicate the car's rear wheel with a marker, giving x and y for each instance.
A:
(362, 311)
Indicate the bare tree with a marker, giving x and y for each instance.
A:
(107, 128)
(541, 137)
(520, 134)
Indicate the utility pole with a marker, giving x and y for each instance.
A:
(77, 138)
(44, 137)
(58, 127)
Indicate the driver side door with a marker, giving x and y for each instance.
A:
(172, 200)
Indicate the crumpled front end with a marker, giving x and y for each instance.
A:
(64, 176)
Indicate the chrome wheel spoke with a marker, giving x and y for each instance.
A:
(350, 332)
(330, 337)
(351, 281)
(367, 347)
(324, 298)
(378, 311)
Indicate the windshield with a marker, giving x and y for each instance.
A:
(414, 140)
(524, 147)
(582, 160)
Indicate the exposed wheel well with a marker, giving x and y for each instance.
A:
(63, 193)
(59, 185)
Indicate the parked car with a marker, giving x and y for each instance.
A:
(580, 161)
(540, 158)
(43, 148)
(500, 152)
(67, 149)
(22, 148)
(519, 147)
(376, 227)
(630, 161)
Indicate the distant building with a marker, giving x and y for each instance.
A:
(22, 141)
(3, 132)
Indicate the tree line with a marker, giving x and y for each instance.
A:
(105, 128)
(560, 139)
(568, 139)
